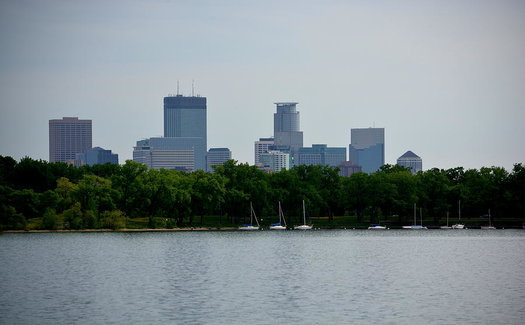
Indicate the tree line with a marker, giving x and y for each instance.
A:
(110, 196)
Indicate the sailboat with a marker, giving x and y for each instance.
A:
(304, 226)
(377, 226)
(447, 226)
(459, 225)
(415, 226)
(279, 226)
(250, 226)
(489, 227)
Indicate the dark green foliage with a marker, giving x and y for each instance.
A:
(112, 196)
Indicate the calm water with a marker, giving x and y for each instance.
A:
(292, 277)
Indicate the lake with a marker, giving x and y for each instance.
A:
(264, 277)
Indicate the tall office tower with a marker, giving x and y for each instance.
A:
(185, 117)
(96, 156)
(276, 160)
(217, 156)
(412, 161)
(320, 154)
(261, 147)
(286, 125)
(367, 148)
(183, 153)
(67, 137)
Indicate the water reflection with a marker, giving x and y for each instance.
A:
(318, 277)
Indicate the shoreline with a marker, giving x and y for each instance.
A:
(208, 229)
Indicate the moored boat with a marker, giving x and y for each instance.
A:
(304, 226)
(250, 225)
(279, 225)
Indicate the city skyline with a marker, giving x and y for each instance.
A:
(444, 78)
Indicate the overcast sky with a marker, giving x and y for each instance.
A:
(446, 79)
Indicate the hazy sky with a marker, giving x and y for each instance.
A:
(446, 79)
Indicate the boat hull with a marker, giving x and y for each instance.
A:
(458, 226)
(415, 227)
(302, 227)
(248, 228)
(277, 228)
(377, 228)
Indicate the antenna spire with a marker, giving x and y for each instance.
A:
(178, 88)
(192, 88)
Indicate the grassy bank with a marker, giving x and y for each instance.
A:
(222, 222)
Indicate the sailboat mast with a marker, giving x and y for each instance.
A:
(421, 215)
(414, 213)
(304, 215)
(459, 209)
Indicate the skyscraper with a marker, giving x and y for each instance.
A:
(412, 161)
(286, 125)
(67, 137)
(185, 117)
(261, 147)
(367, 148)
(217, 156)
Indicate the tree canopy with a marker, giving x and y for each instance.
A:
(110, 196)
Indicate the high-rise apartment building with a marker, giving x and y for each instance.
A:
(261, 147)
(367, 148)
(217, 156)
(286, 128)
(320, 154)
(412, 161)
(185, 118)
(67, 137)
(183, 153)
(96, 156)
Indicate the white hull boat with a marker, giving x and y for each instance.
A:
(447, 226)
(304, 226)
(489, 227)
(377, 227)
(459, 225)
(250, 226)
(414, 226)
(279, 226)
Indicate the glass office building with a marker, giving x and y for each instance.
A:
(321, 154)
(185, 119)
(96, 156)
(286, 128)
(367, 148)
(217, 156)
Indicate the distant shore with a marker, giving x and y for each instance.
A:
(204, 229)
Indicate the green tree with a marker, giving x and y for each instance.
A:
(114, 219)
